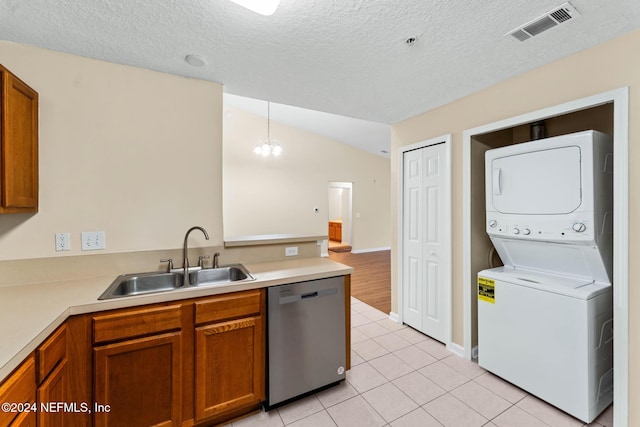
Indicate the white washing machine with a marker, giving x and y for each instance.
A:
(545, 319)
(549, 335)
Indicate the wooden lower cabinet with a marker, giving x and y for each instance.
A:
(335, 231)
(25, 419)
(50, 392)
(140, 381)
(196, 362)
(19, 388)
(52, 374)
(229, 366)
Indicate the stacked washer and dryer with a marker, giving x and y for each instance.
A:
(545, 318)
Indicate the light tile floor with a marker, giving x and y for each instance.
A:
(402, 378)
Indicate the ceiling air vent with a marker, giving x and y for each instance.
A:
(542, 23)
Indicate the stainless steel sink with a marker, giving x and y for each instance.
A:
(145, 283)
(142, 283)
(221, 275)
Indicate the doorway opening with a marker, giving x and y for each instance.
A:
(340, 216)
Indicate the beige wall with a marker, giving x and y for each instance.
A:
(277, 195)
(608, 66)
(128, 151)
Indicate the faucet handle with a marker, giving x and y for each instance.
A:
(170, 265)
(201, 260)
(216, 257)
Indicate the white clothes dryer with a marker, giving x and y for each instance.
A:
(554, 190)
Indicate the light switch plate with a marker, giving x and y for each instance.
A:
(93, 240)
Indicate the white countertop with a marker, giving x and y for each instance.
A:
(29, 313)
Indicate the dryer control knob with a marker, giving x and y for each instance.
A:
(515, 231)
(493, 223)
(526, 231)
(578, 227)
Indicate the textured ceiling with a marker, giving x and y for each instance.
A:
(345, 57)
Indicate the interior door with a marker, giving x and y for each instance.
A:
(426, 241)
(544, 182)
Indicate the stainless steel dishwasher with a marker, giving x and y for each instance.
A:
(306, 338)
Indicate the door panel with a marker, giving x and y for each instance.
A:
(229, 366)
(425, 244)
(412, 238)
(140, 380)
(433, 291)
(540, 182)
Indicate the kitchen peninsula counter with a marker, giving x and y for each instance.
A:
(31, 312)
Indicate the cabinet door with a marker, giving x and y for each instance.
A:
(140, 380)
(25, 419)
(229, 366)
(19, 145)
(53, 390)
(20, 387)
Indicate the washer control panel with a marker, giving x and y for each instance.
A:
(577, 229)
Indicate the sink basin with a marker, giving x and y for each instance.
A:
(221, 275)
(145, 283)
(142, 283)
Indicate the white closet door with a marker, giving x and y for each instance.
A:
(425, 241)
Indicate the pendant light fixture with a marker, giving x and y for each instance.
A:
(263, 7)
(268, 147)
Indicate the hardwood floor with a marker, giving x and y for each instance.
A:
(371, 280)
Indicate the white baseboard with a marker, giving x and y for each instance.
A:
(456, 349)
(394, 316)
(324, 254)
(361, 251)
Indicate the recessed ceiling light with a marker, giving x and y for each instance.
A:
(263, 7)
(195, 60)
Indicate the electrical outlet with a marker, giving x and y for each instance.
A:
(291, 251)
(63, 241)
(93, 240)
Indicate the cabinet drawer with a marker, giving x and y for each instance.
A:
(51, 352)
(135, 323)
(20, 387)
(229, 306)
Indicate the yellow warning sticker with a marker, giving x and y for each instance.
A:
(486, 290)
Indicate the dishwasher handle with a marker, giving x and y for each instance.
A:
(288, 299)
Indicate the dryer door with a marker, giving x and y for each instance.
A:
(544, 182)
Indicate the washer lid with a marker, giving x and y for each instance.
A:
(562, 285)
(581, 262)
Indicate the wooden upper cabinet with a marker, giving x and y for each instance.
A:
(19, 145)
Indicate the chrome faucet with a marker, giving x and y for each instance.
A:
(185, 253)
